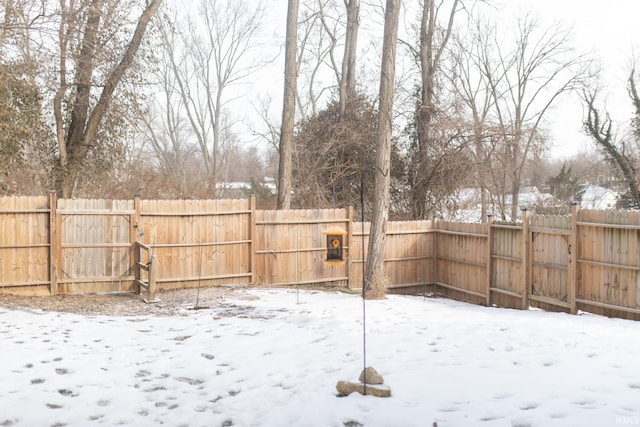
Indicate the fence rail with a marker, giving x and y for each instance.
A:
(589, 260)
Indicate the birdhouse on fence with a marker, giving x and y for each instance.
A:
(335, 242)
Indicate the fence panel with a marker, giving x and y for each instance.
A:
(550, 236)
(461, 270)
(507, 256)
(198, 242)
(409, 253)
(95, 246)
(290, 247)
(24, 245)
(609, 262)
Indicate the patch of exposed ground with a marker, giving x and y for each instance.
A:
(169, 303)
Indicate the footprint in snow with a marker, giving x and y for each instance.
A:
(67, 392)
(521, 423)
(502, 396)
(585, 403)
(529, 406)
(190, 381)
(54, 406)
(491, 417)
(448, 408)
(558, 415)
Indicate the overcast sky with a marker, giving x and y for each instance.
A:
(608, 29)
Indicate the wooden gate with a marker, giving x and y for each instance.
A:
(550, 237)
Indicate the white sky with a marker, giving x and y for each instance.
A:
(609, 29)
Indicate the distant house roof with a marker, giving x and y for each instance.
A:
(594, 197)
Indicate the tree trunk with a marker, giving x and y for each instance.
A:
(285, 168)
(429, 60)
(347, 84)
(84, 125)
(375, 277)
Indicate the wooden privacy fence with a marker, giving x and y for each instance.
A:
(588, 261)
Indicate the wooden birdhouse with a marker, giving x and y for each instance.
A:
(335, 245)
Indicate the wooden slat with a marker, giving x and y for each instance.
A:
(548, 300)
(609, 264)
(506, 292)
(608, 306)
(455, 288)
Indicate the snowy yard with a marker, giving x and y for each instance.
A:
(272, 362)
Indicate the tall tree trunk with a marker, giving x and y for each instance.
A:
(84, 125)
(285, 168)
(429, 61)
(347, 84)
(375, 277)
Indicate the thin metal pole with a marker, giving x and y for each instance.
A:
(199, 280)
(364, 265)
(297, 266)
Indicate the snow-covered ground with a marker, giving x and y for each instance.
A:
(275, 362)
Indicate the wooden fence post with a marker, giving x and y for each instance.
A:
(526, 258)
(137, 259)
(252, 239)
(53, 243)
(135, 227)
(489, 259)
(152, 279)
(436, 278)
(572, 271)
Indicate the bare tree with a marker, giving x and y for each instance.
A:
(324, 29)
(474, 91)
(375, 276)
(205, 54)
(347, 82)
(432, 46)
(285, 169)
(81, 72)
(318, 41)
(525, 81)
(164, 139)
(622, 152)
